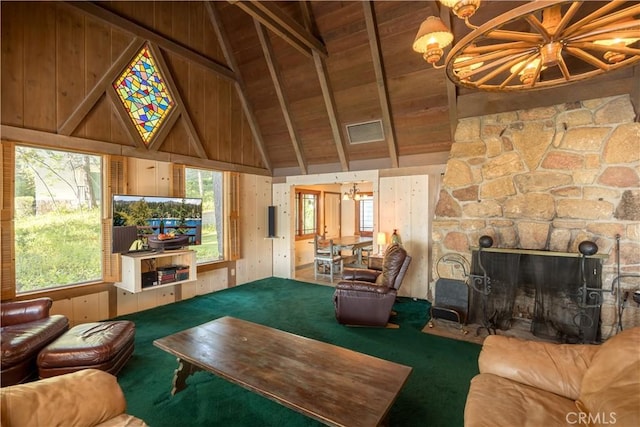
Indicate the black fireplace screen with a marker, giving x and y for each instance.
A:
(546, 290)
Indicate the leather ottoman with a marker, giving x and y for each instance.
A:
(99, 345)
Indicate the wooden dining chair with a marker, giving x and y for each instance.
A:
(326, 256)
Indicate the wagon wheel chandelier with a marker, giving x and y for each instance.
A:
(559, 45)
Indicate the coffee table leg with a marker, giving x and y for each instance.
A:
(181, 374)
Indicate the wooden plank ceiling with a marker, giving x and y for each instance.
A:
(304, 70)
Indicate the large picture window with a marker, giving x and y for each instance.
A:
(208, 185)
(306, 213)
(57, 222)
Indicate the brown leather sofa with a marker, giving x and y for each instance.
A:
(26, 329)
(84, 398)
(531, 383)
(365, 297)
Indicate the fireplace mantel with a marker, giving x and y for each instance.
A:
(539, 252)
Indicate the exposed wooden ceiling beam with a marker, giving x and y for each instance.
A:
(269, 15)
(128, 26)
(223, 40)
(327, 93)
(332, 111)
(89, 101)
(383, 93)
(195, 141)
(282, 97)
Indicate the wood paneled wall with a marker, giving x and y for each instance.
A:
(53, 56)
(404, 199)
(404, 206)
(256, 258)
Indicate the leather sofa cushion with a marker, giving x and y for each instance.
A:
(361, 274)
(557, 368)
(88, 344)
(24, 340)
(84, 398)
(496, 401)
(362, 286)
(611, 385)
(15, 312)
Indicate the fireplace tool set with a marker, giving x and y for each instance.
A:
(451, 300)
(482, 285)
(621, 299)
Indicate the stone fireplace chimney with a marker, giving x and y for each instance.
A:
(548, 179)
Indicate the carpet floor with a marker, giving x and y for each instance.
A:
(434, 394)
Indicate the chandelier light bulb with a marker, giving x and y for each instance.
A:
(352, 194)
(611, 56)
(462, 71)
(527, 73)
(527, 39)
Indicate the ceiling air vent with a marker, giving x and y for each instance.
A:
(359, 133)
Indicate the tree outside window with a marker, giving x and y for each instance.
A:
(208, 185)
(57, 218)
(306, 213)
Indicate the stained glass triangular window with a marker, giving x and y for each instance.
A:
(144, 94)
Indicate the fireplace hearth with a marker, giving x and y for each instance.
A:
(553, 294)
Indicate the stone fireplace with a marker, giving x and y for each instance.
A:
(548, 179)
(554, 295)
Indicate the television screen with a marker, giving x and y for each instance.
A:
(160, 223)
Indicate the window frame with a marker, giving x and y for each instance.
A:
(299, 207)
(358, 217)
(103, 200)
(222, 212)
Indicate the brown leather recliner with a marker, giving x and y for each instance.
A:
(26, 329)
(365, 297)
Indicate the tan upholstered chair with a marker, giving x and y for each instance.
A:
(535, 383)
(85, 398)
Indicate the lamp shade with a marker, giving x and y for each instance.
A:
(462, 8)
(381, 239)
(432, 32)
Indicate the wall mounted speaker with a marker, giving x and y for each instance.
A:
(271, 221)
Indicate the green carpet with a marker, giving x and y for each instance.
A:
(434, 394)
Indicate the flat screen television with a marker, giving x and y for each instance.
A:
(155, 223)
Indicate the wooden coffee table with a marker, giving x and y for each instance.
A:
(334, 385)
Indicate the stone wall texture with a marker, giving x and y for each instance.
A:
(548, 179)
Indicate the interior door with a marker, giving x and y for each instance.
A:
(332, 215)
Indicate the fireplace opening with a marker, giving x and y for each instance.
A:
(548, 293)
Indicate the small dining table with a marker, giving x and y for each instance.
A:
(353, 243)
